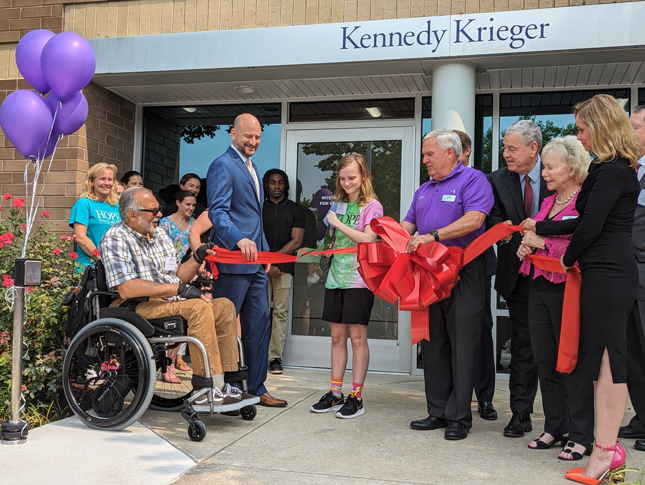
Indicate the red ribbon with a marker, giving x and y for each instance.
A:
(428, 276)
(236, 257)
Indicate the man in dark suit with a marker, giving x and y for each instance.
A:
(636, 322)
(519, 190)
(235, 198)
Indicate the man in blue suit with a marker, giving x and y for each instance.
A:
(235, 198)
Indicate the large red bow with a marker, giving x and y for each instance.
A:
(418, 280)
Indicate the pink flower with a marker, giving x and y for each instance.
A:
(24, 388)
(30, 289)
(56, 251)
(7, 196)
(4, 337)
(65, 238)
(6, 238)
(18, 203)
(7, 281)
(50, 356)
(95, 253)
(73, 255)
(73, 236)
(24, 226)
(45, 214)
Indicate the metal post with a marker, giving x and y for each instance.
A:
(14, 431)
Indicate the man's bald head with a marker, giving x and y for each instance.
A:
(245, 134)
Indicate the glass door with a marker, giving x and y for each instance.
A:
(311, 160)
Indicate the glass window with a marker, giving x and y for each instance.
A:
(482, 150)
(352, 110)
(553, 111)
(317, 177)
(641, 96)
(186, 139)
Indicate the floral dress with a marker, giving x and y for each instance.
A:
(179, 238)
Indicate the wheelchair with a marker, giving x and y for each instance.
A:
(112, 370)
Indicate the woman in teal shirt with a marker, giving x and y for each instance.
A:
(95, 211)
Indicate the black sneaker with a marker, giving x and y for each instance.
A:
(275, 367)
(352, 408)
(327, 403)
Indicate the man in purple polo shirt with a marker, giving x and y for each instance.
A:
(451, 208)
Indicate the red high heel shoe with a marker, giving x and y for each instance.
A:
(615, 474)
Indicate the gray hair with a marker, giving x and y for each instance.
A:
(529, 132)
(128, 202)
(638, 109)
(446, 139)
(570, 151)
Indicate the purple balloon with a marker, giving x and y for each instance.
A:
(68, 63)
(69, 117)
(47, 147)
(26, 120)
(322, 200)
(28, 55)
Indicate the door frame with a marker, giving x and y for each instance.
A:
(301, 349)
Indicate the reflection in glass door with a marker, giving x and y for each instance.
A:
(308, 342)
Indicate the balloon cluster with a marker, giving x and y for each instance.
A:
(63, 64)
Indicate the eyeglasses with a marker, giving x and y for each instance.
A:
(152, 211)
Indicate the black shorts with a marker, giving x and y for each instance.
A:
(351, 306)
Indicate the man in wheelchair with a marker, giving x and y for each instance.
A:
(141, 261)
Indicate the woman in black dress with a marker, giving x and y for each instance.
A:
(601, 244)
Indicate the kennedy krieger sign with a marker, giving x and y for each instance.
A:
(542, 30)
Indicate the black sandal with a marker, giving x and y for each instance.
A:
(543, 445)
(575, 456)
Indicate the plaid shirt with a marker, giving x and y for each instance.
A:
(128, 255)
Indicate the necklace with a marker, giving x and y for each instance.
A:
(557, 201)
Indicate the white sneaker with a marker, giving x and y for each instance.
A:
(221, 402)
(237, 393)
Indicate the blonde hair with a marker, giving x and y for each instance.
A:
(611, 134)
(571, 152)
(87, 185)
(367, 191)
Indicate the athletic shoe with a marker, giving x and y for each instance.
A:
(237, 393)
(327, 403)
(275, 367)
(352, 408)
(221, 402)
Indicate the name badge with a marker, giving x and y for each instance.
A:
(448, 198)
(171, 264)
(641, 198)
(341, 208)
(566, 218)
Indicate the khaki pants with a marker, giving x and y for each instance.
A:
(279, 289)
(213, 324)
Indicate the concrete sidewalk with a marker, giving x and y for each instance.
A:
(294, 446)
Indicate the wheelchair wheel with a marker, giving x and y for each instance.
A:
(248, 412)
(170, 396)
(108, 374)
(196, 430)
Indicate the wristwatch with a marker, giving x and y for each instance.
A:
(435, 234)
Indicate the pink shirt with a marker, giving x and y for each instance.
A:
(556, 246)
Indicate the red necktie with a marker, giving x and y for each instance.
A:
(528, 196)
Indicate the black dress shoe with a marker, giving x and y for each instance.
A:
(640, 445)
(520, 423)
(456, 431)
(630, 432)
(431, 422)
(487, 411)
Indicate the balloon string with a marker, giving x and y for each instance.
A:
(33, 207)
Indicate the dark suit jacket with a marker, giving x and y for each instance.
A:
(509, 205)
(234, 209)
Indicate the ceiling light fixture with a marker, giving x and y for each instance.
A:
(374, 112)
(244, 89)
(189, 110)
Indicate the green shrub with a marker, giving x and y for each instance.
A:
(44, 329)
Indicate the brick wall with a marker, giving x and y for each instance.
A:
(17, 17)
(161, 158)
(107, 136)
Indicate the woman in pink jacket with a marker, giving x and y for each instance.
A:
(567, 401)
